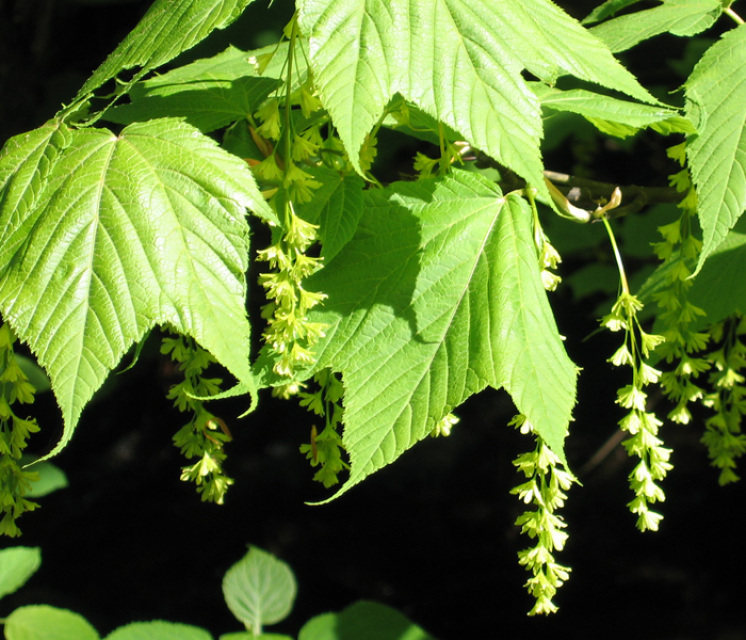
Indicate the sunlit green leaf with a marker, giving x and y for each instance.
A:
(679, 17)
(612, 116)
(607, 10)
(167, 29)
(716, 104)
(17, 565)
(210, 93)
(128, 231)
(42, 622)
(259, 589)
(158, 630)
(437, 296)
(438, 55)
(51, 478)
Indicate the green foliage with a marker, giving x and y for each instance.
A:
(164, 32)
(416, 281)
(158, 629)
(204, 436)
(362, 55)
(386, 302)
(679, 17)
(128, 231)
(363, 621)
(259, 590)
(38, 621)
(715, 93)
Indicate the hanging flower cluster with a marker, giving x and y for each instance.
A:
(203, 437)
(15, 431)
(679, 250)
(445, 426)
(544, 488)
(289, 141)
(290, 333)
(325, 449)
(549, 259)
(723, 437)
(641, 425)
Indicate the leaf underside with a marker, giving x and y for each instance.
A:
(679, 17)
(438, 55)
(610, 115)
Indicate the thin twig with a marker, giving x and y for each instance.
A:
(588, 194)
(602, 453)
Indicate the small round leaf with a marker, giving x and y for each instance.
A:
(42, 622)
(158, 630)
(259, 589)
(17, 565)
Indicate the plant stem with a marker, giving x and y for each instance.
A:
(617, 255)
(286, 135)
(732, 14)
(585, 192)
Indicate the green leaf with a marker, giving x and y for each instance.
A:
(42, 622)
(679, 17)
(168, 28)
(34, 373)
(720, 288)
(612, 116)
(210, 93)
(245, 635)
(230, 64)
(212, 106)
(411, 121)
(158, 630)
(17, 565)
(437, 296)
(458, 60)
(129, 231)
(51, 478)
(607, 9)
(336, 207)
(716, 104)
(259, 589)
(363, 621)
(25, 163)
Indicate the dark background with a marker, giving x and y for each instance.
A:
(431, 535)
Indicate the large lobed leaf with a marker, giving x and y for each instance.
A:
(716, 104)
(118, 233)
(168, 28)
(458, 60)
(435, 297)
